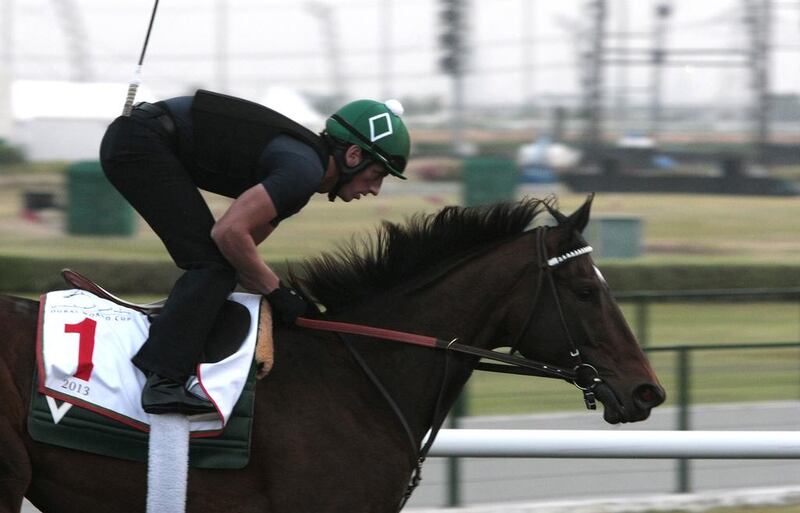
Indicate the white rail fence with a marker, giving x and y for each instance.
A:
(544, 443)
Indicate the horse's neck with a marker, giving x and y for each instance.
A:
(468, 304)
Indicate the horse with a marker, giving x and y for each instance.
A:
(340, 420)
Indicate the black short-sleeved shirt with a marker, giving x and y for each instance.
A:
(290, 170)
(292, 173)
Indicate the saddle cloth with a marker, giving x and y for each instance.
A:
(84, 348)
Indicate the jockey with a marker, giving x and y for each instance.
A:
(160, 156)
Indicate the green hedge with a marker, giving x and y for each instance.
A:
(626, 277)
(25, 274)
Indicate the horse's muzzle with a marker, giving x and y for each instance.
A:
(644, 398)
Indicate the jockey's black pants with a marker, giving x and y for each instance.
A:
(139, 157)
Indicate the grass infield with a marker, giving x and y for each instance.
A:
(676, 229)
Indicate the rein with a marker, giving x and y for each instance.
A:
(513, 364)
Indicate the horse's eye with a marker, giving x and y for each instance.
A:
(585, 293)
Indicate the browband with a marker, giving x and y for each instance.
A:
(552, 262)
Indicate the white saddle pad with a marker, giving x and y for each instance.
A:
(84, 350)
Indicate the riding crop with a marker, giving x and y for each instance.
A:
(134, 85)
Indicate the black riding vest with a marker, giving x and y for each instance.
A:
(230, 134)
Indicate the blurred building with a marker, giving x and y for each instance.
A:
(59, 120)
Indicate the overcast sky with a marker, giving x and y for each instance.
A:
(282, 42)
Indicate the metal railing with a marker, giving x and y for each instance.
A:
(682, 380)
(643, 299)
(683, 366)
(683, 362)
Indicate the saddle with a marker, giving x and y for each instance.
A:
(230, 328)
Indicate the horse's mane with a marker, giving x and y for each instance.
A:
(396, 253)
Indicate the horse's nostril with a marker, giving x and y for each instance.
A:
(648, 396)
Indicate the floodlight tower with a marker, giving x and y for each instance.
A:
(325, 14)
(385, 23)
(77, 37)
(758, 18)
(453, 17)
(221, 39)
(528, 52)
(663, 12)
(622, 74)
(593, 77)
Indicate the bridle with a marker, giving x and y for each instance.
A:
(583, 375)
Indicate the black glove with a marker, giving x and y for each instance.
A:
(287, 305)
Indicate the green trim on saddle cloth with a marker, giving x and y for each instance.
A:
(83, 430)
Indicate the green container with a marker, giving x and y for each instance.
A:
(615, 236)
(95, 206)
(489, 180)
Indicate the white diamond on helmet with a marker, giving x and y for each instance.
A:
(380, 126)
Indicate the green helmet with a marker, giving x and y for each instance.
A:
(376, 128)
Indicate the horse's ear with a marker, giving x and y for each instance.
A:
(558, 216)
(580, 218)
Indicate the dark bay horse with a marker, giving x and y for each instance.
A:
(340, 419)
